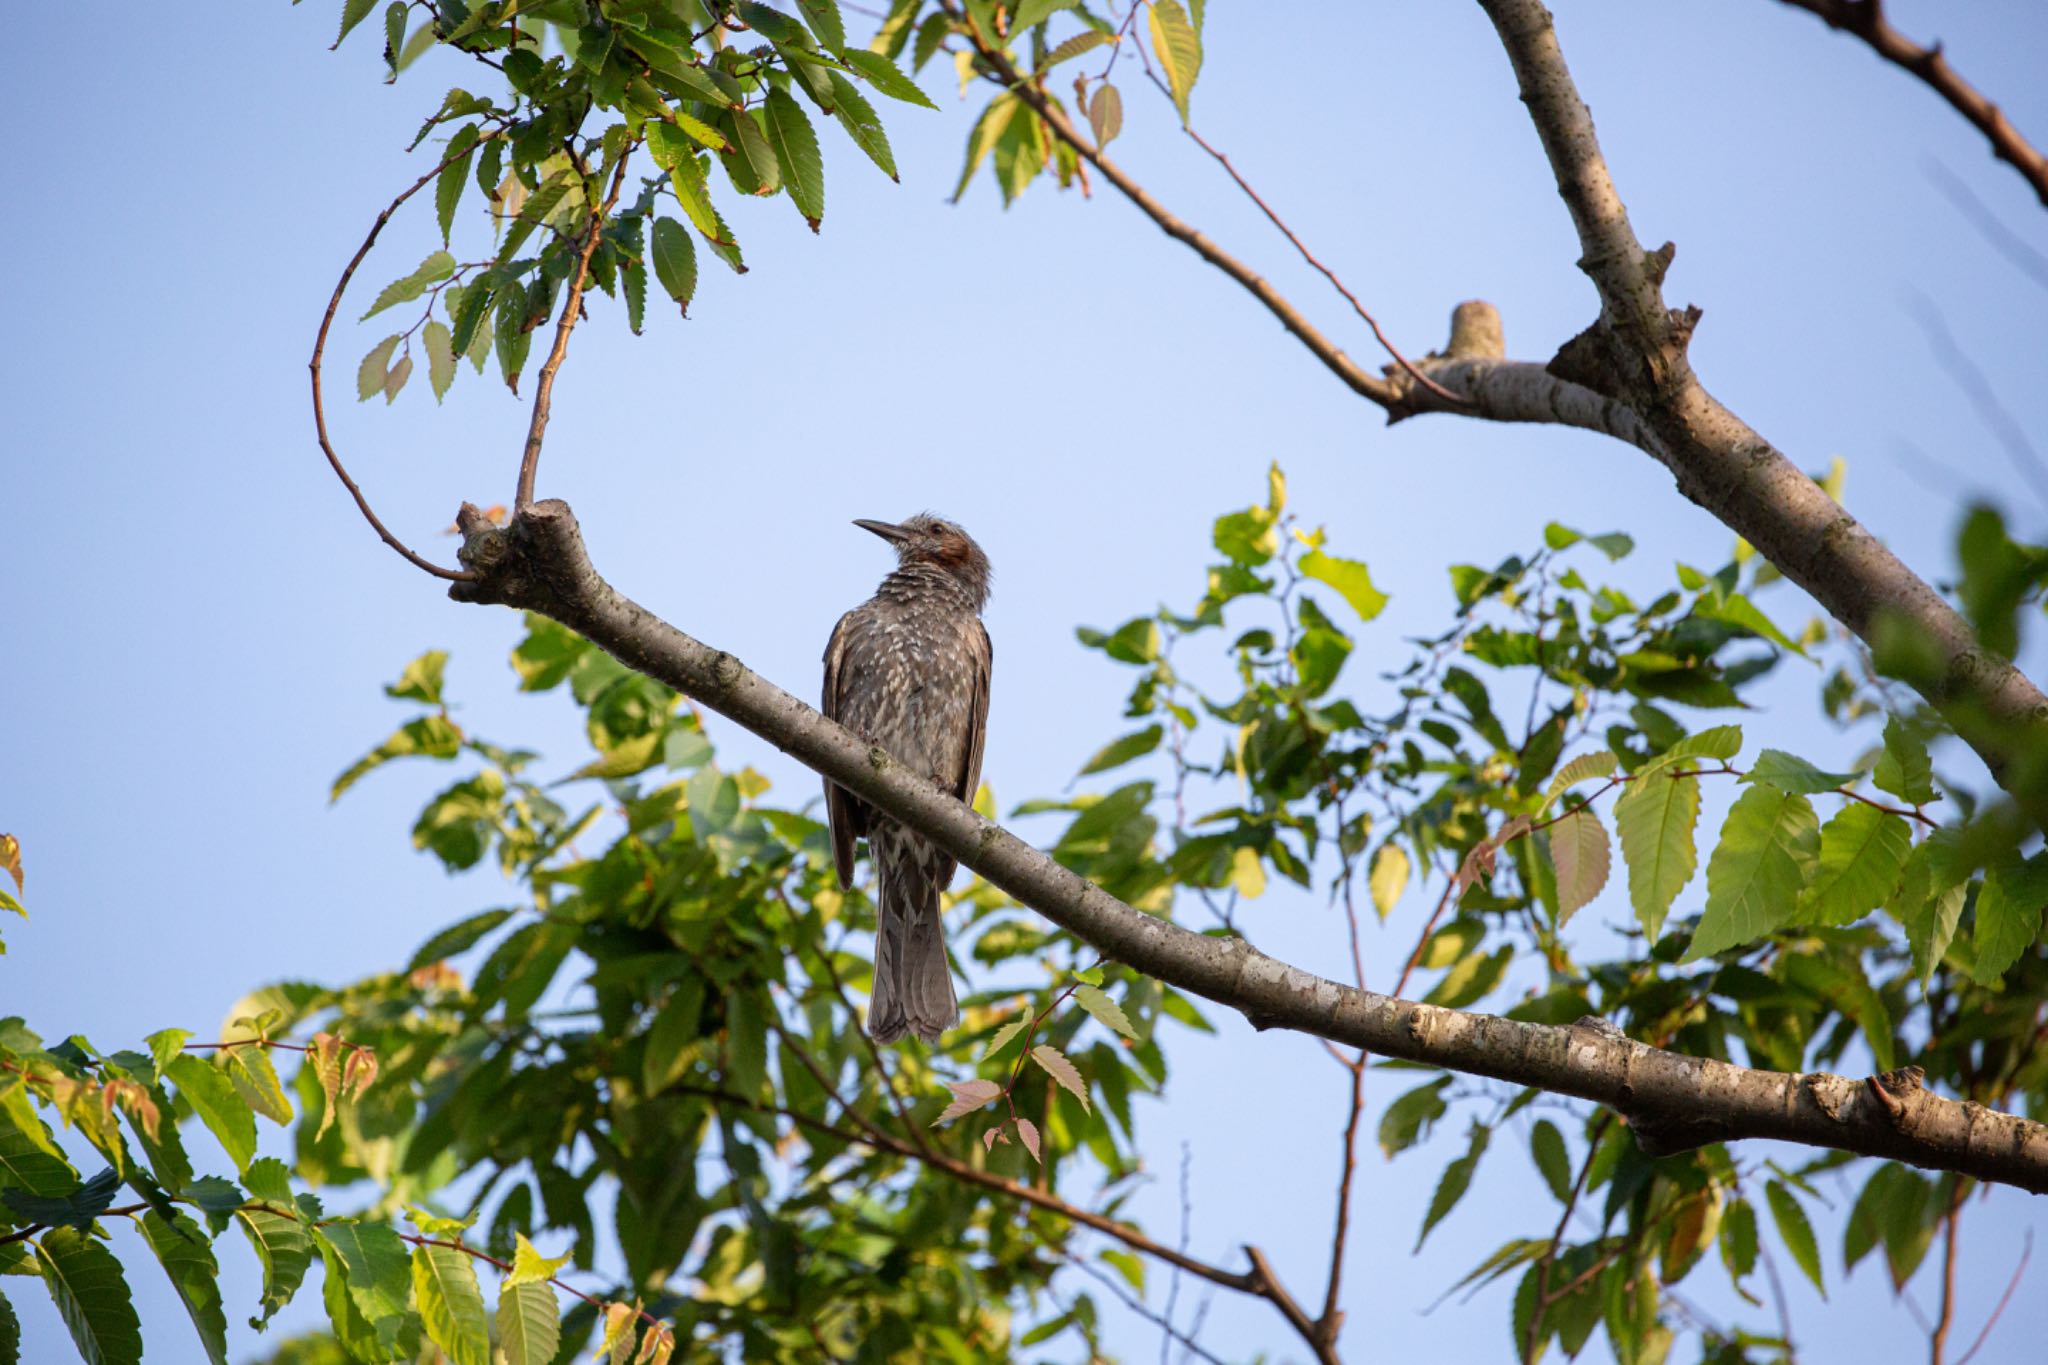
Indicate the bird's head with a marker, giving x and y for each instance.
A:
(926, 539)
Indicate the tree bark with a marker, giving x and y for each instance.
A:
(539, 563)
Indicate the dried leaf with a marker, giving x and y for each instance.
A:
(1105, 115)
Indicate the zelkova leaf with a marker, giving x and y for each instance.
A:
(1796, 1231)
(378, 1268)
(454, 177)
(1456, 1179)
(1407, 1120)
(1350, 578)
(1583, 768)
(823, 17)
(1862, 850)
(1758, 870)
(435, 268)
(353, 12)
(1118, 752)
(370, 374)
(1060, 1069)
(1005, 1035)
(988, 130)
(395, 380)
(861, 123)
(224, 1112)
(91, 1294)
(530, 1267)
(1104, 1011)
(187, 1257)
(1027, 1133)
(883, 75)
(1178, 48)
(796, 151)
(675, 262)
(529, 1324)
(1087, 40)
(968, 1096)
(440, 348)
(1904, 769)
(1790, 773)
(284, 1249)
(2009, 907)
(1546, 1145)
(1655, 819)
(1579, 848)
(1389, 878)
(450, 1304)
(1105, 114)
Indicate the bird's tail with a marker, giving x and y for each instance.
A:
(913, 990)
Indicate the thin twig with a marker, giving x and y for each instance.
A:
(1865, 19)
(1137, 1306)
(2026, 1250)
(1937, 1341)
(320, 349)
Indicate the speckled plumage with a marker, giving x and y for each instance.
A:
(909, 669)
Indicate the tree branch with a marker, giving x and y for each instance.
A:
(1636, 353)
(539, 563)
(1865, 19)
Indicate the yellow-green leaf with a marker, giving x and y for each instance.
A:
(1178, 48)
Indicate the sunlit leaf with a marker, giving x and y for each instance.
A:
(1756, 874)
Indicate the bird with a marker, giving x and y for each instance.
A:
(909, 670)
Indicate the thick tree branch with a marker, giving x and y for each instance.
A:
(1636, 353)
(1865, 19)
(539, 563)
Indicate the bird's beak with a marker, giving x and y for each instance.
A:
(888, 531)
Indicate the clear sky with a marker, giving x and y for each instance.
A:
(197, 621)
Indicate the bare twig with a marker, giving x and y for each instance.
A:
(1865, 19)
(1952, 1217)
(2026, 1250)
(1123, 1296)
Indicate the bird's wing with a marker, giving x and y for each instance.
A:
(977, 714)
(845, 815)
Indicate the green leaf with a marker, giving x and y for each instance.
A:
(1585, 767)
(1456, 1179)
(435, 268)
(283, 1248)
(187, 1257)
(2009, 907)
(796, 151)
(1759, 869)
(1029, 14)
(529, 1267)
(427, 737)
(538, 206)
(1389, 878)
(1795, 1231)
(74, 1208)
(1105, 114)
(10, 1327)
(823, 17)
(454, 177)
(1055, 1065)
(1862, 851)
(1904, 769)
(255, 1079)
(214, 1098)
(1580, 851)
(1546, 1145)
(1789, 773)
(861, 123)
(1178, 48)
(1105, 1011)
(370, 375)
(1614, 544)
(29, 1158)
(1121, 751)
(440, 357)
(883, 75)
(1655, 818)
(1738, 1238)
(1928, 901)
(353, 12)
(1350, 578)
(675, 261)
(86, 1284)
(749, 160)
(529, 1324)
(450, 1305)
(1737, 610)
(377, 1266)
(746, 1053)
(988, 130)
(1004, 1036)
(1407, 1120)
(668, 1054)
(1082, 43)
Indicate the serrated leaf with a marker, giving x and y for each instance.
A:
(883, 75)
(1178, 48)
(1795, 1231)
(530, 1267)
(440, 356)
(1758, 870)
(633, 278)
(1654, 819)
(1005, 1035)
(395, 380)
(749, 160)
(1349, 577)
(187, 1257)
(1407, 1120)
(283, 1248)
(535, 211)
(370, 374)
(378, 1267)
(454, 177)
(1060, 1069)
(255, 1078)
(30, 1159)
(1104, 1011)
(450, 1304)
(1583, 768)
(1456, 1179)
(1790, 773)
(988, 130)
(1862, 851)
(1087, 40)
(968, 1096)
(214, 1098)
(675, 263)
(435, 268)
(91, 1294)
(71, 1208)
(1579, 849)
(823, 17)
(796, 152)
(1904, 769)
(353, 12)
(1389, 878)
(529, 1324)
(1546, 1145)
(861, 123)
(1121, 751)
(1027, 1132)
(1105, 114)
(2009, 909)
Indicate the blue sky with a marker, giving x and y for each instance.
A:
(198, 621)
